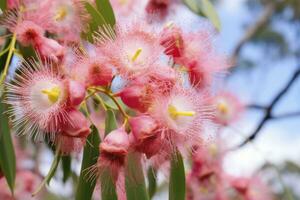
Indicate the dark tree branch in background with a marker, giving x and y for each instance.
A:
(262, 21)
(268, 109)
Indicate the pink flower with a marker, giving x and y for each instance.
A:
(251, 188)
(92, 70)
(125, 8)
(181, 114)
(67, 19)
(206, 179)
(200, 59)
(228, 108)
(38, 97)
(133, 49)
(146, 135)
(26, 183)
(28, 33)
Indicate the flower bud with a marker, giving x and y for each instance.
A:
(136, 96)
(115, 144)
(77, 125)
(49, 48)
(76, 92)
(146, 135)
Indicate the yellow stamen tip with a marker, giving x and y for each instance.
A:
(61, 14)
(123, 2)
(222, 107)
(174, 113)
(136, 54)
(53, 94)
(169, 24)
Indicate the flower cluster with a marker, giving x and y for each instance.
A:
(166, 74)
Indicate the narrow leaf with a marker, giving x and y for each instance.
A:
(3, 5)
(86, 187)
(152, 185)
(108, 190)
(177, 178)
(134, 178)
(110, 121)
(51, 172)
(105, 8)
(99, 17)
(66, 167)
(206, 9)
(210, 12)
(7, 153)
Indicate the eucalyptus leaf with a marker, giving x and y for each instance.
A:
(134, 178)
(85, 187)
(7, 153)
(177, 178)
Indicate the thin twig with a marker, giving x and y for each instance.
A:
(268, 110)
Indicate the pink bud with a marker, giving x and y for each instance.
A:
(115, 144)
(171, 39)
(240, 184)
(158, 7)
(49, 48)
(77, 125)
(136, 97)
(99, 75)
(142, 127)
(76, 92)
(146, 135)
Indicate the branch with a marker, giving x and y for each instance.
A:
(252, 30)
(268, 110)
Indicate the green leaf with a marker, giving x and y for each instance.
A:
(177, 178)
(86, 187)
(3, 5)
(210, 12)
(108, 191)
(134, 178)
(66, 167)
(152, 185)
(51, 172)
(206, 9)
(7, 153)
(110, 121)
(105, 8)
(100, 17)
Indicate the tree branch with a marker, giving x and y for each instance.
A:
(264, 18)
(268, 110)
